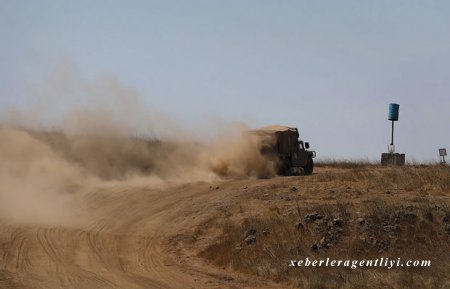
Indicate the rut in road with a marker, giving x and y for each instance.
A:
(124, 244)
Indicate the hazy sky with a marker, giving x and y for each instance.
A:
(329, 68)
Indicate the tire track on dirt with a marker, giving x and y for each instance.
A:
(124, 244)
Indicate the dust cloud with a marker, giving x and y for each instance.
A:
(35, 183)
(76, 136)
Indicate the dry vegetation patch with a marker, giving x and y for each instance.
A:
(399, 213)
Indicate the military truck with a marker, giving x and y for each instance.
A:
(282, 144)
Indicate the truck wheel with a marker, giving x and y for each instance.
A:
(309, 167)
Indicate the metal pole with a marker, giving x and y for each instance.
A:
(392, 134)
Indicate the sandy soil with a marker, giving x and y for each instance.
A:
(142, 237)
(127, 244)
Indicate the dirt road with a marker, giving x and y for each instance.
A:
(125, 244)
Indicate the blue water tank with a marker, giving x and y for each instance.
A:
(393, 111)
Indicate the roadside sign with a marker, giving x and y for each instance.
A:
(443, 154)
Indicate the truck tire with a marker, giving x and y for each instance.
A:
(309, 167)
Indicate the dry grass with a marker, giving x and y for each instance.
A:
(406, 214)
(345, 164)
